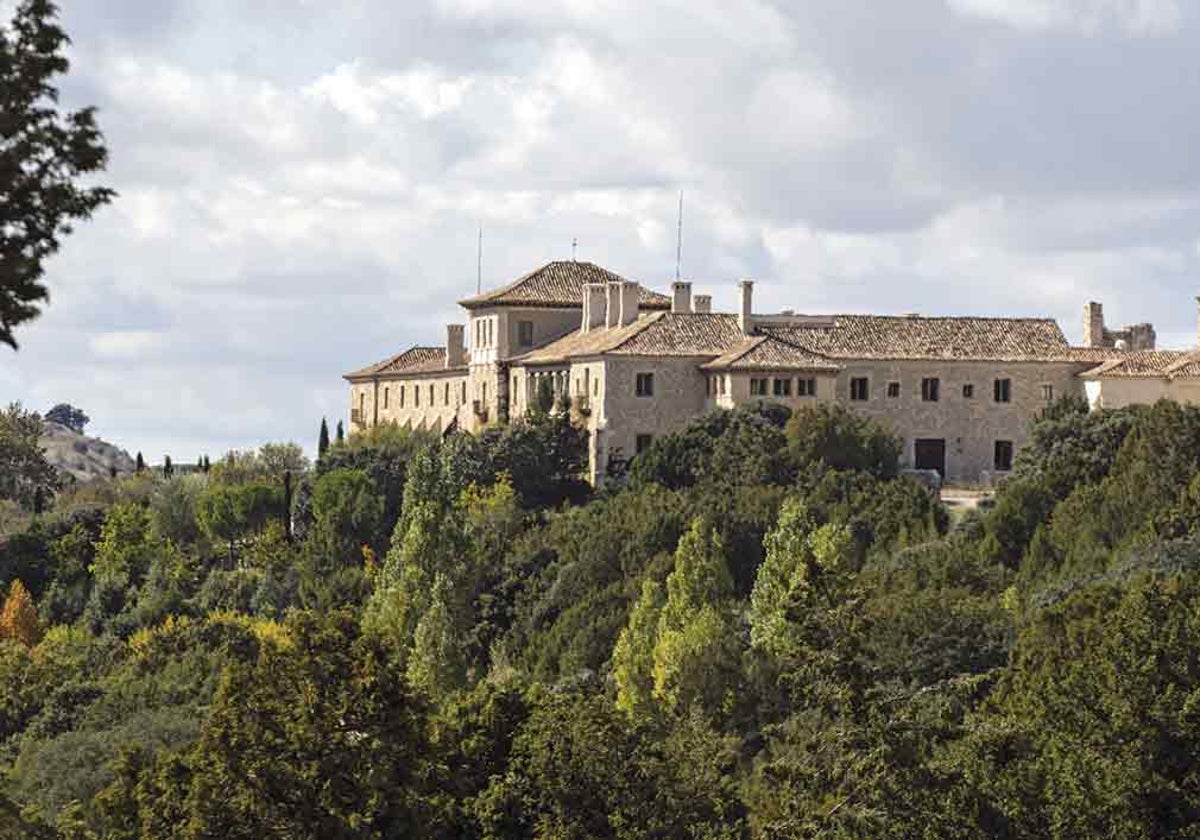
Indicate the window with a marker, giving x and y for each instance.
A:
(464, 392)
(783, 387)
(385, 398)
(721, 385)
(893, 390)
(596, 387)
(644, 386)
(525, 333)
(362, 406)
(417, 396)
(1002, 390)
(1004, 455)
(446, 394)
(968, 391)
(431, 395)
(402, 396)
(929, 389)
(1048, 393)
(642, 443)
(806, 387)
(758, 387)
(859, 388)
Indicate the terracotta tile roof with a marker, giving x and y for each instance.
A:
(684, 334)
(915, 337)
(769, 353)
(1149, 364)
(412, 361)
(559, 284)
(591, 343)
(652, 334)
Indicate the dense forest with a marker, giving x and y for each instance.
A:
(761, 630)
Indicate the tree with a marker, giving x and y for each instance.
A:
(26, 477)
(68, 415)
(834, 435)
(341, 433)
(19, 618)
(139, 463)
(168, 467)
(44, 152)
(323, 439)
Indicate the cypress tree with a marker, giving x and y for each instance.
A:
(323, 439)
(341, 433)
(168, 467)
(139, 463)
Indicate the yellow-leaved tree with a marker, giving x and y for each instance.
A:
(19, 618)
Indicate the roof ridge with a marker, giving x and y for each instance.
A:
(652, 318)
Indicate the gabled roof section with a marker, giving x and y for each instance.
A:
(681, 334)
(765, 352)
(1149, 364)
(684, 334)
(412, 361)
(559, 284)
(591, 343)
(916, 337)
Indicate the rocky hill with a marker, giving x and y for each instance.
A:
(81, 456)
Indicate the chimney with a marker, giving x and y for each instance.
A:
(629, 302)
(1093, 324)
(456, 353)
(745, 318)
(595, 301)
(681, 296)
(612, 304)
(702, 303)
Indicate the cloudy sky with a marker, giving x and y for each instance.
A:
(301, 180)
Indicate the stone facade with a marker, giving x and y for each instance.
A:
(958, 392)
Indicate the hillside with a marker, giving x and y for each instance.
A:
(81, 456)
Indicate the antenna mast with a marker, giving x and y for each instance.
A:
(679, 238)
(479, 263)
(574, 245)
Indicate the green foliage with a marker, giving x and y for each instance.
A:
(69, 416)
(834, 435)
(48, 156)
(26, 477)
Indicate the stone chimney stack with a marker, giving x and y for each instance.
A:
(702, 303)
(595, 301)
(612, 304)
(1093, 324)
(681, 296)
(456, 352)
(745, 309)
(629, 302)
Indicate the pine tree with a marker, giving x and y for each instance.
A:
(323, 439)
(46, 153)
(139, 463)
(19, 618)
(168, 467)
(207, 464)
(341, 433)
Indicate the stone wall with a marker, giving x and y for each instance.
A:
(397, 401)
(1118, 393)
(970, 426)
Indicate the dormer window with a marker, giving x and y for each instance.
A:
(525, 333)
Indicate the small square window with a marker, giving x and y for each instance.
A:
(968, 391)
(758, 386)
(644, 385)
(930, 387)
(1004, 455)
(783, 387)
(642, 443)
(1002, 390)
(893, 390)
(525, 333)
(860, 389)
(806, 387)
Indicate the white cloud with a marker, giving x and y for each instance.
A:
(1135, 17)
